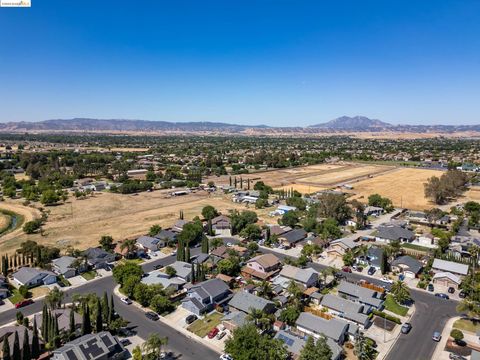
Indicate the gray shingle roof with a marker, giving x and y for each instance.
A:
(149, 242)
(349, 309)
(183, 269)
(364, 295)
(26, 274)
(90, 347)
(394, 233)
(413, 264)
(294, 235)
(245, 301)
(295, 344)
(333, 328)
(213, 287)
(64, 263)
(450, 266)
(298, 274)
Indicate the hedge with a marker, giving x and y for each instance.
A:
(388, 317)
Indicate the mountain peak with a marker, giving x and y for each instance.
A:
(353, 123)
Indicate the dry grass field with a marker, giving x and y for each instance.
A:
(4, 220)
(81, 223)
(304, 189)
(347, 173)
(403, 186)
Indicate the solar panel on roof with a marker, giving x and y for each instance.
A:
(70, 355)
(106, 340)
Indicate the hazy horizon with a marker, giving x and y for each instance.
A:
(276, 63)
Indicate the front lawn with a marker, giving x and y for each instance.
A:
(15, 297)
(202, 327)
(467, 325)
(393, 306)
(136, 261)
(89, 275)
(416, 247)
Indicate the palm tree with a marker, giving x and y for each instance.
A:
(130, 245)
(400, 292)
(469, 307)
(294, 290)
(265, 290)
(259, 318)
(154, 344)
(54, 298)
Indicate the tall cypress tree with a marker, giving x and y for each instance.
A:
(72, 322)
(111, 314)
(17, 354)
(6, 349)
(205, 247)
(105, 307)
(187, 254)
(44, 322)
(26, 354)
(35, 342)
(86, 324)
(180, 251)
(98, 320)
(194, 268)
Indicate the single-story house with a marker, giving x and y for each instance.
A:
(204, 296)
(426, 240)
(339, 247)
(179, 224)
(262, 267)
(346, 309)
(290, 238)
(183, 270)
(316, 326)
(407, 265)
(447, 279)
(307, 277)
(388, 233)
(373, 258)
(278, 230)
(63, 266)
(160, 277)
(221, 225)
(31, 277)
(168, 236)
(63, 319)
(283, 209)
(361, 294)
(100, 346)
(8, 332)
(223, 252)
(234, 319)
(244, 301)
(295, 344)
(449, 266)
(99, 258)
(150, 244)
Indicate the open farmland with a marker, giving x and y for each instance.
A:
(81, 223)
(403, 186)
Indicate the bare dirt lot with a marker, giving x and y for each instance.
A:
(81, 223)
(403, 186)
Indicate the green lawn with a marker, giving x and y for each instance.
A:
(417, 247)
(467, 325)
(15, 297)
(89, 275)
(134, 261)
(202, 327)
(393, 306)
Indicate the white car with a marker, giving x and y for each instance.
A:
(154, 254)
(229, 244)
(387, 280)
(226, 357)
(126, 300)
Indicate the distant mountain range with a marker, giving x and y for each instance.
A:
(342, 124)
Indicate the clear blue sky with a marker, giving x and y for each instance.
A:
(274, 62)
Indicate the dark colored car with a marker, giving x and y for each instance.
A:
(156, 267)
(442, 296)
(451, 290)
(371, 270)
(406, 328)
(23, 303)
(462, 294)
(190, 319)
(213, 333)
(430, 287)
(346, 269)
(152, 316)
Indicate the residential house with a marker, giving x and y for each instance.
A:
(8, 332)
(283, 209)
(407, 265)
(426, 240)
(63, 319)
(234, 319)
(150, 244)
(100, 346)
(204, 296)
(447, 280)
(31, 277)
(178, 226)
(316, 326)
(373, 258)
(307, 277)
(292, 237)
(98, 258)
(417, 216)
(262, 267)
(449, 266)
(339, 247)
(278, 230)
(221, 225)
(388, 233)
(224, 252)
(295, 344)
(244, 301)
(183, 270)
(64, 266)
(157, 277)
(361, 294)
(168, 236)
(346, 309)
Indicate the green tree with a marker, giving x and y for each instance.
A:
(457, 335)
(230, 266)
(170, 271)
(26, 353)
(209, 212)
(332, 206)
(290, 315)
(6, 349)
(329, 229)
(35, 340)
(348, 258)
(123, 271)
(290, 218)
(49, 197)
(364, 348)
(86, 324)
(400, 292)
(129, 286)
(251, 232)
(98, 318)
(246, 344)
(153, 345)
(54, 298)
(318, 350)
(205, 245)
(215, 243)
(31, 227)
(161, 304)
(106, 242)
(154, 230)
(17, 354)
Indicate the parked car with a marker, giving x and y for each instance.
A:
(406, 328)
(453, 356)
(346, 269)
(126, 300)
(156, 267)
(442, 296)
(436, 336)
(125, 342)
(23, 303)
(371, 270)
(152, 316)
(430, 287)
(387, 280)
(213, 333)
(221, 334)
(229, 244)
(166, 355)
(226, 357)
(462, 294)
(357, 268)
(451, 290)
(191, 318)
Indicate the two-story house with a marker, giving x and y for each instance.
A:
(262, 267)
(204, 296)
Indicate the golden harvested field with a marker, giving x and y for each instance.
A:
(4, 221)
(304, 189)
(81, 223)
(473, 194)
(347, 173)
(403, 186)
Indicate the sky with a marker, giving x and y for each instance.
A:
(273, 62)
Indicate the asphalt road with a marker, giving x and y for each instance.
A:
(179, 344)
